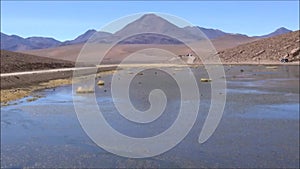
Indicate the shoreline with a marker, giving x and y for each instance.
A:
(8, 95)
(18, 87)
(200, 64)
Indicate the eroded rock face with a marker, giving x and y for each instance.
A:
(285, 56)
(260, 52)
(295, 52)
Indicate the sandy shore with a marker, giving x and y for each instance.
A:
(17, 87)
(20, 92)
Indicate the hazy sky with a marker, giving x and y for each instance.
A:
(67, 19)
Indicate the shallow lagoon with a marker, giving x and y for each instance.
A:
(259, 128)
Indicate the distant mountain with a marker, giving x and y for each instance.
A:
(42, 42)
(212, 33)
(80, 39)
(84, 37)
(150, 38)
(156, 27)
(14, 42)
(277, 32)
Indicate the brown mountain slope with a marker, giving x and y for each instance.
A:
(230, 41)
(265, 50)
(250, 50)
(18, 62)
(71, 52)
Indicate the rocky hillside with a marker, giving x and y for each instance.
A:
(269, 49)
(18, 62)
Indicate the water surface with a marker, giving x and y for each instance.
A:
(259, 128)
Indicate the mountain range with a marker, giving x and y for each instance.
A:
(147, 23)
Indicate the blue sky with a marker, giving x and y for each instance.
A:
(66, 20)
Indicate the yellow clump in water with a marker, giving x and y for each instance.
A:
(271, 67)
(205, 80)
(84, 90)
(100, 83)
